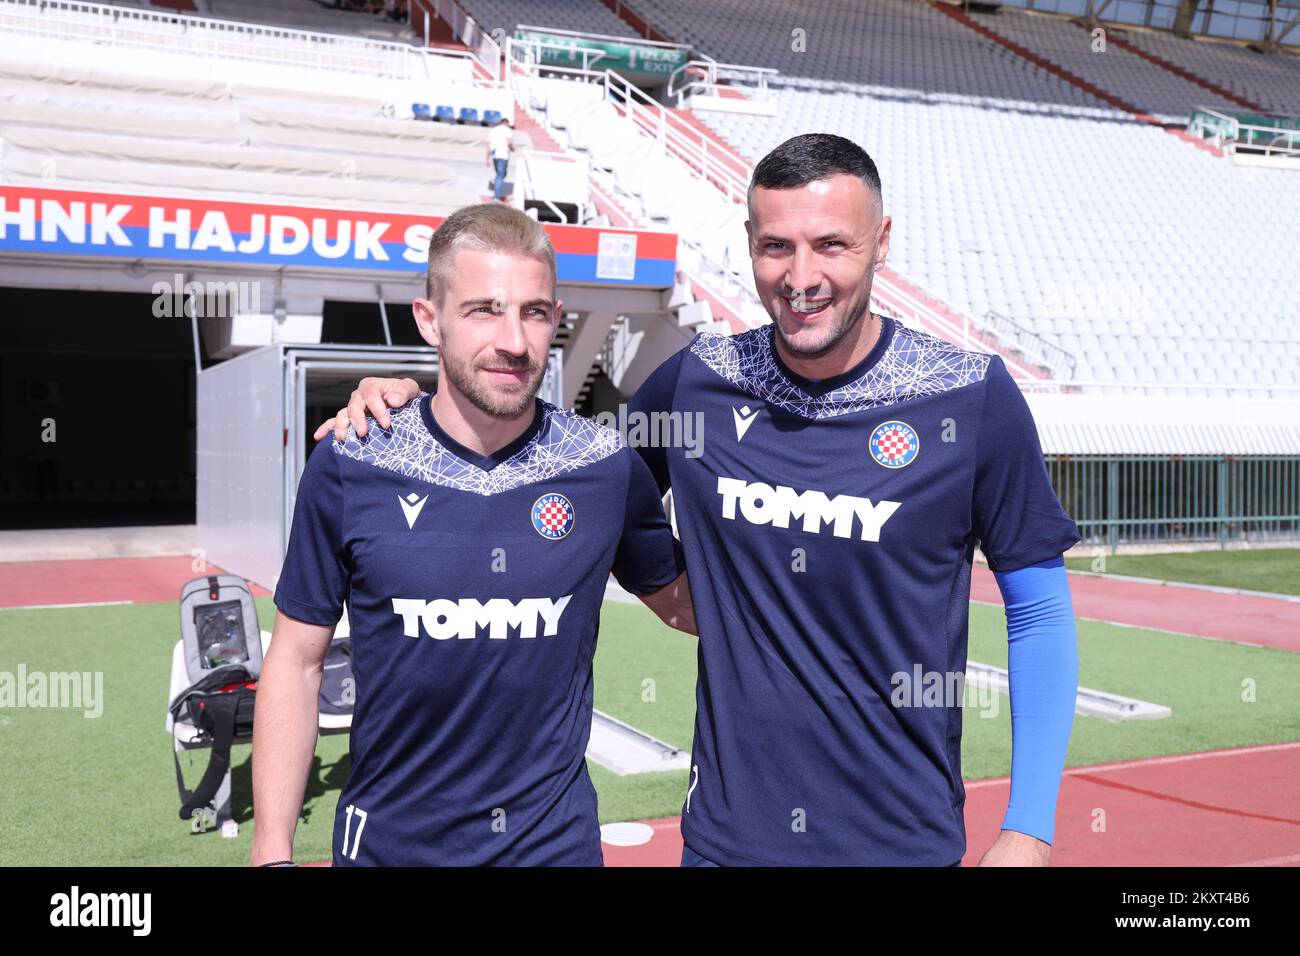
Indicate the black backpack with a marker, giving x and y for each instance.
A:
(220, 706)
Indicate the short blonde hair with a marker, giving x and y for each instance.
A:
(486, 227)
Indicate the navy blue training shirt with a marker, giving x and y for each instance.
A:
(474, 586)
(830, 528)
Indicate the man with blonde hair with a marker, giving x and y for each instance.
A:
(471, 541)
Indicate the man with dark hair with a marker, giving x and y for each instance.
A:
(852, 468)
(831, 170)
(810, 157)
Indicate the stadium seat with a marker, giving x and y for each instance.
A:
(912, 85)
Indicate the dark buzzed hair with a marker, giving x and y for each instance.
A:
(811, 157)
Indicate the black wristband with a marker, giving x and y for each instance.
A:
(279, 863)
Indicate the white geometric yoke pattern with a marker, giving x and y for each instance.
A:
(564, 442)
(915, 364)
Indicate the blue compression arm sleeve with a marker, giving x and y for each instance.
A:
(1043, 663)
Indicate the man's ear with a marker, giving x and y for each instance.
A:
(426, 320)
(557, 313)
(882, 246)
(749, 234)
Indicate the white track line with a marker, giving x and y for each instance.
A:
(1275, 861)
(1148, 762)
(1147, 627)
(55, 607)
(1184, 758)
(1212, 588)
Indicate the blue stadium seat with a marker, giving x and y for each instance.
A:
(468, 115)
(491, 117)
(421, 111)
(445, 114)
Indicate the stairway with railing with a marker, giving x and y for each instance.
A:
(670, 172)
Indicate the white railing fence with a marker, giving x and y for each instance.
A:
(1230, 133)
(210, 38)
(726, 169)
(483, 47)
(704, 76)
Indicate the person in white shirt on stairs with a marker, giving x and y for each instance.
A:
(499, 150)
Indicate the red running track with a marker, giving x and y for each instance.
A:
(1232, 617)
(99, 580)
(1234, 807)
(1228, 617)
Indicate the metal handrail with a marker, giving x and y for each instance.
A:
(709, 160)
(485, 50)
(1229, 129)
(712, 71)
(583, 35)
(1226, 125)
(524, 185)
(728, 169)
(1273, 146)
(744, 300)
(1061, 362)
(534, 62)
(905, 301)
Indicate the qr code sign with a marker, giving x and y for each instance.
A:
(616, 256)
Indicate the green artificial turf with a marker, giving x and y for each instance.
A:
(1276, 570)
(101, 791)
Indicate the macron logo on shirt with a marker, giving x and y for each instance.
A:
(411, 507)
(744, 417)
(760, 503)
